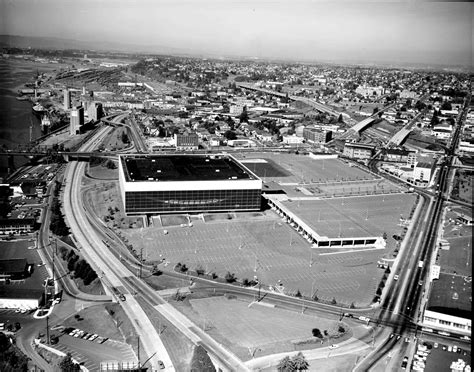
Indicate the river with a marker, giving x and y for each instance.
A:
(16, 116)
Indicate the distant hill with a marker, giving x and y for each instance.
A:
(59, 44)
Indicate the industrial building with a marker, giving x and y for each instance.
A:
(67, 99)
(77, 120)
(187, 183)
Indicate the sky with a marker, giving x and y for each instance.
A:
(370, 31)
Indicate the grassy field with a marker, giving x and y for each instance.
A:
(97, 319)
(463, 185)
(332, 364)
(259, 326)
(179, 347)
(289, 168)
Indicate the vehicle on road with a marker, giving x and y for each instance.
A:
(333, 346)
(404, 362)
(395, 277)
(436, 345)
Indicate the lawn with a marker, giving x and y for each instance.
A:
(98, 319)
(179, 347)
(270, 329)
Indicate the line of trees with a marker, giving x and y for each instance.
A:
(57, 224)
(79, 266)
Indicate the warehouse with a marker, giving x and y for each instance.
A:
(178, 183)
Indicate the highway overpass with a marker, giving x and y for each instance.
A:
(399, 137)
(311, 102)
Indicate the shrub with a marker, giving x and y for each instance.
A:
(214, 276)
(333, 301)
(200, 270)
(184, 268)
(230, 277)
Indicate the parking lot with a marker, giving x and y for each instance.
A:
(266, 247)
(437, 356)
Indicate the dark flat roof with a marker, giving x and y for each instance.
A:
(14, 265)
(183, 168)
(451, 295)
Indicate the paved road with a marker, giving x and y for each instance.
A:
(103, 262)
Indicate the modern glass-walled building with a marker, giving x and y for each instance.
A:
(187, 183)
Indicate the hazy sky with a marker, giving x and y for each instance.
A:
(410, 31)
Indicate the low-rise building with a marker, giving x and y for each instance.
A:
(422, 172)
(186, 141)
(16, 226)
(358, 150)
(315, 135)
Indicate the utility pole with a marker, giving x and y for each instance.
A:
(47, 330)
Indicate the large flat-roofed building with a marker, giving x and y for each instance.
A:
(187, 183)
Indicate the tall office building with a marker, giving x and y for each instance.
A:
(94, 111)
(77, 119)
(67, 99)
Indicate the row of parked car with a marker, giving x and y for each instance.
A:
(419, 359)
(78, 333)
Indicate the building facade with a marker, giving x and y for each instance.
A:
(153, 184)
(317, 136)
(67, 99)
(95, 111)
(358, 151)
(186, 142)
(77, 120)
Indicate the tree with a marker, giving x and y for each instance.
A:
(183, 268)
(340, 119)
(67, 365)
(230, 135)
(286, 364)
(230, 277)
(110, 164)
(317, 333)
(333, 301)
(298, 294)
(125, 138)
(384, 236)
(376, 109)
(446, 106)
(201, 362)
(244, 116)
(299, 362)
(200, 270)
